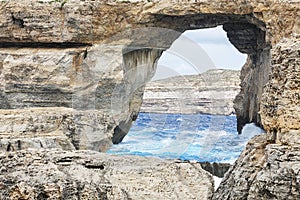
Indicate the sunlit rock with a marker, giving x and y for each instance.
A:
(57, 174)
(268, 31)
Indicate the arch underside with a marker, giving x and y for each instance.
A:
(94, 66)
(248, 37)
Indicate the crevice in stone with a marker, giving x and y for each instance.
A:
(65, 160)
(216, 169)
(58, 45)
(9, 147)
(19, 145)
(102, 192)
(90, 166)
(85, 53)
(42, 195)
(17, 21)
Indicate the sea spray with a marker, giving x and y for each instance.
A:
(199, 137)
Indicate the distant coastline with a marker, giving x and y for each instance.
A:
(211, 92)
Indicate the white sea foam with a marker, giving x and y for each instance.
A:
(217, 181)
(199, 140)
(250, 130)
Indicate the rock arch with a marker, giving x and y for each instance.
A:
(250, 26)
(49, 54)
(247, 37)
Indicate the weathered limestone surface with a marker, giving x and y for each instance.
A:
(57, 174)
(280, 108)
(211, 92)
(269, 166)
(87, 57)
(37, 77)
(63, 128)
(263, 171)
(54, 79)
(252, 26)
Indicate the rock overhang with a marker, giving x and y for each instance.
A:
(253, 27)
(268, 31)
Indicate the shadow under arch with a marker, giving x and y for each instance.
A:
(138, 58)
(134, 48)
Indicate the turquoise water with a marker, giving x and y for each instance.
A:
(198, 137)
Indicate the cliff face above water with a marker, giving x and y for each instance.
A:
(98, 31)
(211, 92)
(73, 72)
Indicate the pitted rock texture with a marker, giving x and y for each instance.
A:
(280, 108)
(211, 92)
(63, 128)
(263, 171)
(112, 41)
(252, 26)
(89, 175)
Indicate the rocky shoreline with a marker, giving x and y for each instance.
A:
(72, 77)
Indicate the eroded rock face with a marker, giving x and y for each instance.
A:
(62, 128)
(281, 101)
(90, 98)
(263, 171)
(211, 92)
(90, 175)
(253, 27)
(266, 169)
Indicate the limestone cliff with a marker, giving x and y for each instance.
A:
(79, 64)
(263, 171)
(211, 92)
(252, 26)
(269, 166)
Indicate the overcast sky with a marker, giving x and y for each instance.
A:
(197, 51)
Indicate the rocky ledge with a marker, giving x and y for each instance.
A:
(263, 171)
(44, 174)
(96, 55)
(211, 92)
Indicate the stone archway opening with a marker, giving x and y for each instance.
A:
(195, 52)
(248, 39)
(245, 32)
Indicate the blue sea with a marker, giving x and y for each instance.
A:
(197, 137)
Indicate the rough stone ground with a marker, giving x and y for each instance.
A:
(263, 171)
(44, 174)
(267, 30)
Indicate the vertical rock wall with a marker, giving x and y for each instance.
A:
(80, 89)
(252, 26)
(255, 72)
(269, 166)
